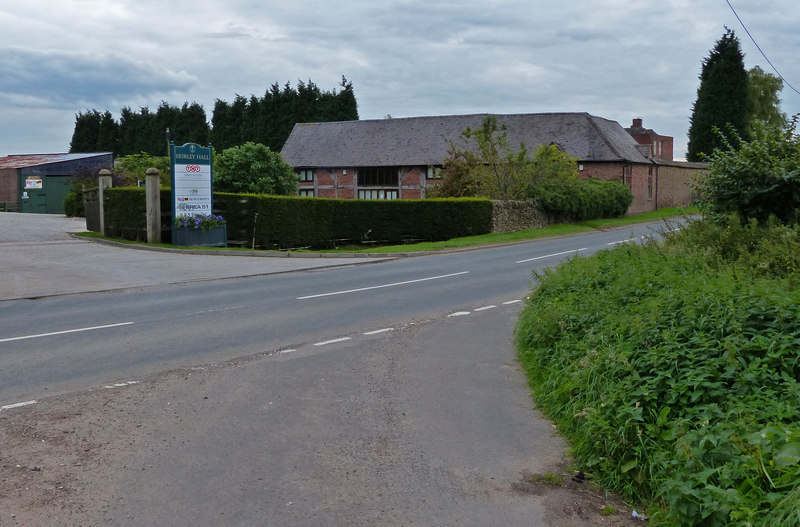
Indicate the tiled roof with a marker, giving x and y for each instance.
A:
(32, 160)
(424, 140)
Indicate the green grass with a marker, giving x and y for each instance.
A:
(672, 369)
(465, 242)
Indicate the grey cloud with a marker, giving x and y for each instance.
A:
(60, 79)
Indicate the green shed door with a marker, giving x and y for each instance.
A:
(33, 197)
(57, 188)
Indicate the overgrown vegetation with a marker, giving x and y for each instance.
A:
(757, 178)
(483, 164)
(673, 367)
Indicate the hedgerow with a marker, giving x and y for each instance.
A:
(674, 371)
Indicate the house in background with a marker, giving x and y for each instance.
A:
(401, 158)
(660, 145)
(39, 182)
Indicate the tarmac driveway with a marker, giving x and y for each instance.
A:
(39, 257)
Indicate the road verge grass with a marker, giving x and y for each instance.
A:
(672, 369)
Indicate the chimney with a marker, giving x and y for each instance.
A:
(637, 123)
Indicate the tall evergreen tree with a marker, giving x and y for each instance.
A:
(108, 134)
(721, 97)
(84, 136)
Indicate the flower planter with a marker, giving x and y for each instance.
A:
(215, 237)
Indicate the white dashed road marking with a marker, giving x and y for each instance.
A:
(551, 255)
(334, 341)
(66, 331)
(382, 286)
(16, 405)
(375, 332)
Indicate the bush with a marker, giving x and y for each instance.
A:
(573, 199)
(73, 204)
(253, 168)
(674, 372)
(755, 179)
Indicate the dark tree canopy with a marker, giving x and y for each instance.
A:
(721, 97)
(269, 120)
(94, 132)
(266, 120)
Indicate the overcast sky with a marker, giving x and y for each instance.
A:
(616, 59)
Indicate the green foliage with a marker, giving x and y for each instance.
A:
(287, 222)
(721, 98)
(253, 169)
(673, 370)
(95, 132)
(269, 119)
(203, 222)
(483, 165)
(763, 99)
(132, 168)
(757, 178)
(146, 132)
(573, 199)
(73, 204)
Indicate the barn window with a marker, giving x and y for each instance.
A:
(378, 177)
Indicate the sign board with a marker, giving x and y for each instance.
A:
(33, 182)
(191, 166)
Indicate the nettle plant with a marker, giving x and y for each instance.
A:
(202, 222)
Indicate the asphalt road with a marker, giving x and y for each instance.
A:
(62, 343)
(383, 394)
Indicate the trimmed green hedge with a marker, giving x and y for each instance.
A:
(582, 199)
(286, 222)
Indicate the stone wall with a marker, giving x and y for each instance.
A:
(510, 216)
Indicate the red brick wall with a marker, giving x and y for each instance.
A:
(675, 184)
(8, 185)
(634, 175)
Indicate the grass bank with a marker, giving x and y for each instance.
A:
(673, 370)
(465, 242)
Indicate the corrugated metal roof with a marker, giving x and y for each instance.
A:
(425, 140)
(32, 160)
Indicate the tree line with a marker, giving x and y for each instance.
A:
(266, 120)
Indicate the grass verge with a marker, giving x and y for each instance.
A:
(460, 243)
(673, 371)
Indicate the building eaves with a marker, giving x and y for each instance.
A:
(32, 160)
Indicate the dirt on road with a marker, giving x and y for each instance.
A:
(62, 461)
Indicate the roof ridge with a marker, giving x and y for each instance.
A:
(602, 135)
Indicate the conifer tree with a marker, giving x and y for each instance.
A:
(721, 97)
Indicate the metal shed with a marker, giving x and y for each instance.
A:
(38, 183)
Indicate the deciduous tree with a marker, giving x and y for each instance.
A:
(255, 169)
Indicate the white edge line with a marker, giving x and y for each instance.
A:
(332, 341)
(375, 332)
(17, 405)
(382, 286)
(512, 302)
(551, 255)
(121, 384)
(66, 331)
(484, 308)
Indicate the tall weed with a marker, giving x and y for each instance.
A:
(674, 370)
